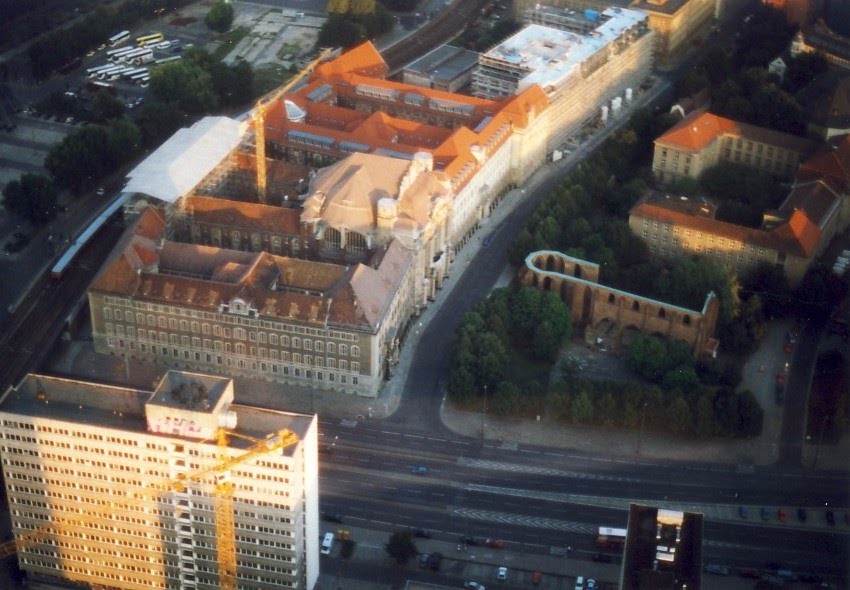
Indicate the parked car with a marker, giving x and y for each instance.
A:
(536, 578)
(419, 470)
(331, 517)
(422, 534)
(830, 518)
(434, 560)
(423, 560)
(781, 515)
(743, 512)
(591, 584)
(765, 514)
(471, 541)
(579, 583)
(495, 543)
(473, 586)
(801, 514)
(502, 574)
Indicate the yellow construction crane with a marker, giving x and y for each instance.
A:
(259, 121)
(225, 525)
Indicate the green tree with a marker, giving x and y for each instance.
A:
(80, 159)
(678, 415)
(507, 401)
(106, 107)
(647, 357)
(581, 408)
(33, 197)
(401, 547)
(220, 16)
(750, 415)
(157, 120)
(705, 425)
(186, 85)
(770, 284)
(606, 410)
(683, 378)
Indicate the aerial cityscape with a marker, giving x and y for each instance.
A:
(425, 294)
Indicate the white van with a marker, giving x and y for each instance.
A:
(327, 543)
(579, 583)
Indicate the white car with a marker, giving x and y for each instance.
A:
(474, 586)
(503, 574)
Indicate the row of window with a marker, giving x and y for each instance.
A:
(217, 330)
(229, 319)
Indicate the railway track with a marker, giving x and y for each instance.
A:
(441, 29)
(33, 329)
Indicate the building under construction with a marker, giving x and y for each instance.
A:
(179, 487)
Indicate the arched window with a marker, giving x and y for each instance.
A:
(235, 241)
(686, 320)
(611, 298)
(355, 243)
(332, 240)
(662, 313)
(635, 306)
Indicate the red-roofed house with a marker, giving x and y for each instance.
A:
(680, 226)
(703, 140)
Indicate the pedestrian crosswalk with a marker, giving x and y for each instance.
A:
(524, 520)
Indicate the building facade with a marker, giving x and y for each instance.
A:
(90, 473)
(679, 25)
(580, 72)
(231, 312)
(445, 68)
(703, 140)
(682, 226)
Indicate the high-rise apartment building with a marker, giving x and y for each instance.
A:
(90, 473)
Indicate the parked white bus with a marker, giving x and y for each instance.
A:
(107, 73)
(165, 60)
(118, 38)
(119, 55)
(133, 55)
(93, 72)
(327, 543)
(112, 52)
(139, 77)
(134, 72)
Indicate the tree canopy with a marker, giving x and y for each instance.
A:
(33, 197)
(220, 16)
(401, 547)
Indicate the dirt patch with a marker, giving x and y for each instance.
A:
(182, 21)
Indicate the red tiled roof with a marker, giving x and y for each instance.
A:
(816, 199)
(832, 163)
(697, 130)
(363, 59)
(798, 236)
(239, 214)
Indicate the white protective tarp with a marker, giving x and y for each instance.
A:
(186, 158)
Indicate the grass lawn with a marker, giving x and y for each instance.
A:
(228, 42)
(268, 77)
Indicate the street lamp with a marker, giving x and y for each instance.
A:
(484, 413)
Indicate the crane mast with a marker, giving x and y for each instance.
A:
(259, 121)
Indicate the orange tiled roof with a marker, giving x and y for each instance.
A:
(363, 59)
(816, 199)
(204, 277)
(832, 163)
(697, 130)
(798, 236)
(243, 215)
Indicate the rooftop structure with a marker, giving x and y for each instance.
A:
(445, 68)
(547, 56)
(109, 514)
(581, 69)
(663, 550)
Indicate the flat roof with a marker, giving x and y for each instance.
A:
(549, 55)
(123, 408)
(180, 163)
(444, 63)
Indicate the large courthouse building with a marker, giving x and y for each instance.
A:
(396, 178)
(90, 472)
